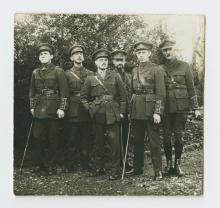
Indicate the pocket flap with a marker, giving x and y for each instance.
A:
(179, 73)
(181, 93)
(150, 97)
(94, 83)
(52, 97)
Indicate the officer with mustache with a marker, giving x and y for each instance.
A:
(181, 96)
(78, 120)
(103, 95)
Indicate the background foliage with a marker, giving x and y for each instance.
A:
(64, 30)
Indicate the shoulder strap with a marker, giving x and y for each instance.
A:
(100, 82)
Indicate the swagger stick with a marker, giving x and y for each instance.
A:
(126, 151)
(122, 146)
(25, 149)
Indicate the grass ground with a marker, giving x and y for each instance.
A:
(79, 183)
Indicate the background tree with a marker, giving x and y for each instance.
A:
(62, 31)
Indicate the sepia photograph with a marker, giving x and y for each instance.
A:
(108, 104)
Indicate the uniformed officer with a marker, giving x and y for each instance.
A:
(48, 102)
(106, 107)
(148, 88)
(119, 60)
(77, 117)
(180, 96)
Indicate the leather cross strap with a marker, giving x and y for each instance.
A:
(100, 82)
(75, 75)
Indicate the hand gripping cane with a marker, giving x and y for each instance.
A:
(126, 151)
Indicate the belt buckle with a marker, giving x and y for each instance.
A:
(42, 91)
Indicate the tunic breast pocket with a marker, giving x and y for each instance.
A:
(75, 85)
(50, 83)
(150, 104)
(39, 83)
(53, 102)
(96, 89)
(182, 99)
(179, 78)
(111, 87)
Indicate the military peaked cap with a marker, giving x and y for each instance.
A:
(119, 53)
(45, 47)
(167, 44)
(143, 46)
(76, 48)
(100, 53)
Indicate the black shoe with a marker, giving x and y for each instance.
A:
(51, 171)
(169, 171)
(38, 170)
(158, 176)
(97, 172)
(86, 168)
(128, 167)
(68, 169)
(113, 177)
(134, 172)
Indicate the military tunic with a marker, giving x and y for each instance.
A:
(181, 97)
(105, 105)
(148, 96)
(48, 93)
(78, 125)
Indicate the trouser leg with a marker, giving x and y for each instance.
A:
(155, 148)
(139, 134)
(53, 136)
(167, 138)
(99, 145)
(84, 144)
(72, 145)
(39, 143)
(114, 144)
(179, 132)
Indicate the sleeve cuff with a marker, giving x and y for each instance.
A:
(63, 104)
(159, 108)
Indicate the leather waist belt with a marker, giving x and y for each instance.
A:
(144, 91)
(47, 92)
(75, 94)
(105, 97)
(176, 86)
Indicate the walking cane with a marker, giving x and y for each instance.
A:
(121, 139)
(25, 149)
(126, 151)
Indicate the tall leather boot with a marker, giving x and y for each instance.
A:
(177, 168)
(169, 170)
(168, 153)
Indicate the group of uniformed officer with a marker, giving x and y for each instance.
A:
(103, 104)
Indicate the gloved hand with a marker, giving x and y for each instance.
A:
(32, 112)
(60, 113)
(121, 116)
(197, 113)
(157, 118)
